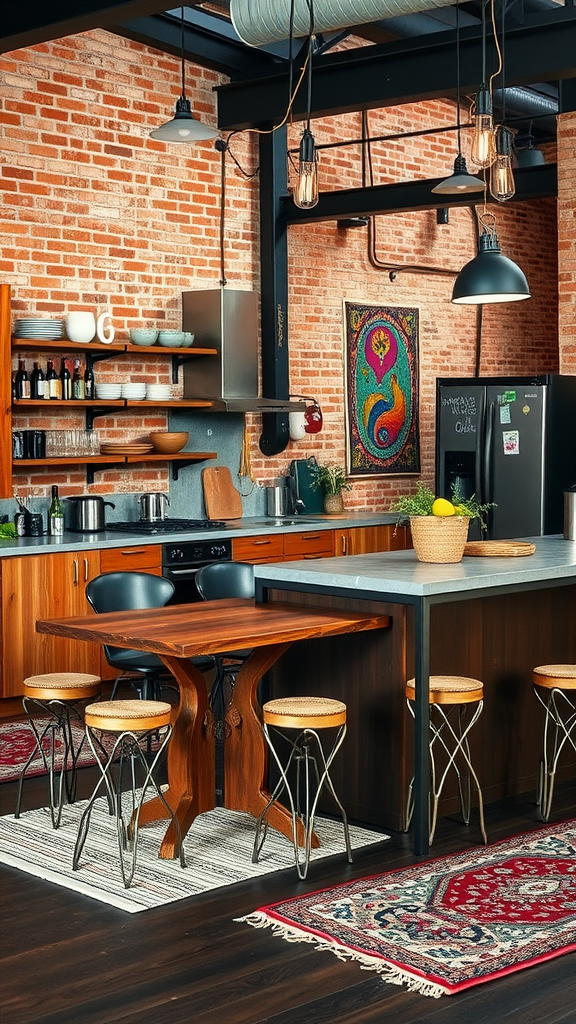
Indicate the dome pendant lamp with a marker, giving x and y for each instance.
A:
(183, 127)
(490, 277)
(460, 180)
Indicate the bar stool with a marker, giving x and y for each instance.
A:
(133, 722)
(54, 696)
(560, 709)
(449, 694)
(309, 716)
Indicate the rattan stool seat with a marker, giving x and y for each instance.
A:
(450, 690)
(136, 715)
(562, 676)
(559, 725)
(450, 698)
(62, 685)
(304, 712)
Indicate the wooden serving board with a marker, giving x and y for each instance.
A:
(221, 498)
(499, 548)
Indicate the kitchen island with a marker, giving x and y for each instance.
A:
(490, 618)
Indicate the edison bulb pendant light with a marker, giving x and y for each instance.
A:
(306, 192)
(502, 184)
(483, 152)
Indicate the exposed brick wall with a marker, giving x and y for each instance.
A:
(567, 241)
(96, 215)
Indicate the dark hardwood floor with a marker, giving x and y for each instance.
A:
(67, 959)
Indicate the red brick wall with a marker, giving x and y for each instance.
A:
(567, 241)
(96, 215)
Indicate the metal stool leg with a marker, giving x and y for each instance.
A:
(563, 729)
(61, 779)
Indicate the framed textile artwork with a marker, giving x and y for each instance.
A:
(381, 358)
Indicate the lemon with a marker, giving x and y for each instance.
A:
(443, 507)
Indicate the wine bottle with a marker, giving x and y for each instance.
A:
(22, 380)
(78, 387)
(37, 383)
(56, 514)
(65, 380)
(88, 381)
(53, 381)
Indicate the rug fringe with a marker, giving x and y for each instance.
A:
(390, 973)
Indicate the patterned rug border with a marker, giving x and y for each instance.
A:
(390, 970)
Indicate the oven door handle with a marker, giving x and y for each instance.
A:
(183, 572)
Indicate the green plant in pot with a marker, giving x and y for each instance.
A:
(439, 527)
(332, 480)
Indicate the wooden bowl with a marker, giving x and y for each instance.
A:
(169, 442)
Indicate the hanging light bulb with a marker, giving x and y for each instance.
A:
(306, 192)
(483, 152)
(502, 185)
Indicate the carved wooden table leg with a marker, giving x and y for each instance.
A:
(245, 752)
(191, 768)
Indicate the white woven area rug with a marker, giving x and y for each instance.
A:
(218, 852)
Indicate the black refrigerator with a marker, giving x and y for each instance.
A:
(511, 441)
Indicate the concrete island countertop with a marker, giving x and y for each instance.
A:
(400, 573)
(246, 527)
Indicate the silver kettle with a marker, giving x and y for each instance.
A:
(153, 506)
(87, 513)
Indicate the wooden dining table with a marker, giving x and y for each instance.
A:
(180, 632)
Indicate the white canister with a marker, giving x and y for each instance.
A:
(297, 425)
(570, 514)
(80, 327)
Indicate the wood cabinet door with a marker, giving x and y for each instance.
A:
(267, 548)
(44, 587)
(308, 544)
(363, 540)
(147, 558)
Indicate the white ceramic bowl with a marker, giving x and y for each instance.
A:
(144, 335)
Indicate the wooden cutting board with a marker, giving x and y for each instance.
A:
(221, 498)
(499, 548)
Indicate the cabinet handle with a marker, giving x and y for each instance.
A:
(257, 542)
(85, 570)
(134, 551)
(310, 536)
(75, 572)
(343, 544)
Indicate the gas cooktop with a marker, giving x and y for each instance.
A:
(167, 526)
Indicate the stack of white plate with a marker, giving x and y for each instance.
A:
(134, 391)
(158, 392)
(109, 391)
(37, 327)
(125, 448)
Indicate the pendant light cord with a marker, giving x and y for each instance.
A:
(182, 52)
(458, 125)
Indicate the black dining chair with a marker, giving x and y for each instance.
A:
(127, 591)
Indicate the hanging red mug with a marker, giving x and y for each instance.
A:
(313, 418)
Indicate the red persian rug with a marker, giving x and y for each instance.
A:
(442, 926)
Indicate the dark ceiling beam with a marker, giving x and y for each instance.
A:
(531, 183)
(35, 21)
(412, 70)
(208, 42)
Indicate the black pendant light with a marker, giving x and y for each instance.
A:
(183, 127)
(490, 277)
(460, 180)
(305, 194)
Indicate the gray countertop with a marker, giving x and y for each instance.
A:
(400, 573)
(245, 527)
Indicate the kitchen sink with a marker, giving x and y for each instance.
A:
(288, 521)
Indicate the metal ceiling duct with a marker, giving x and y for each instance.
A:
(258, 22)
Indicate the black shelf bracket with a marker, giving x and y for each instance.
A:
(92, 413)
(181, 464)
(177, 362)
(97, 357)
(97, 467)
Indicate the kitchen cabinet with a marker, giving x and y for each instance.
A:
(311, 544)
(363, 540)
(42, 587)
(268, 548)
(94, 352)
(147, 558)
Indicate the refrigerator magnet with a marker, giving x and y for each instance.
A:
(511, 442)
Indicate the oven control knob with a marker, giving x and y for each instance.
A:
(218, 550)
(175, 554)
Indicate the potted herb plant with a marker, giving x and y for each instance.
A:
(439, 527)
(332, 480)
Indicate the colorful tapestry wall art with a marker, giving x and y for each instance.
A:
(381, 351)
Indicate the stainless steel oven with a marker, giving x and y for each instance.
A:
(182, 560)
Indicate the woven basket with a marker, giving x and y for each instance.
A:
(439, 538)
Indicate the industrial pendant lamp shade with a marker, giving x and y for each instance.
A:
(490, 277)
(183, 127)
(459, 181)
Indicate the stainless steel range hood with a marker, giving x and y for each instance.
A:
(227, 320)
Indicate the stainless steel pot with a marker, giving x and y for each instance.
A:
(570, 514)
(278, 501)
(87, 513)
(153, 506)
